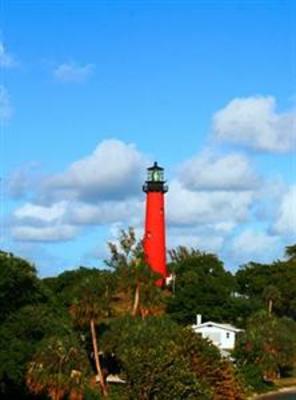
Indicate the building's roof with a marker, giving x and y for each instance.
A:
(111, 379)
(154, 167)
(227, 327)
(114, 379)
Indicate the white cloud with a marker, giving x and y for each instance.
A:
(6, 59)
(5, 106)
(253, 122)
(209, 243)
(286, 219)
(268, 198)
(209, 237)
(252, 245)
(101, 188)
(71, 72)
(105, 212)
(212, 196)
(209, 172)
(17, 184)
(79, 213)
(23, 180)
(52, 233)
(186, 207)
(37, 223)
(113, 171)
(41, 213)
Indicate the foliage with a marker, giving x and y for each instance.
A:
(134, 276)
(253, 280)
(271, 295)
(213, 371)
(19, 284)
(202, 286)
(126, 252)
(268, 346)
(91, 298)
(59, 367)
(163, 361)
(90, 307)
(152, 368)
(28, 314)
(158, 358)
(291, 252)
(66, 286)
(19, 336)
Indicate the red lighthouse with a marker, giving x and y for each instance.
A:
(154, 238)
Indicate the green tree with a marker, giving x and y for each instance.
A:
(20, 335)
(91, 306)
(268, 346)
(271, 296)
(64, 286)
(202, 286)
(254, 278)
(28, 313)
(19, 284)
(134, 276)
(59, 368)
(161, 360)
(290, 252)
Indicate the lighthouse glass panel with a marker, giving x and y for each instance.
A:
(155, 176)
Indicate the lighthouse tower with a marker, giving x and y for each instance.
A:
(154, 238)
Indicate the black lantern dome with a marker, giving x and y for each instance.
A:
(155, 179)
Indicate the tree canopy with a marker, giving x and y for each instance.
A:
(162, 360)
(61, 337)
(254, 278)
(202, 286)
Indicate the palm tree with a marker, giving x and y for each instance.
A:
(271, 295)
(59, 368)
(291, 252)
(134, 275)
(91, 306)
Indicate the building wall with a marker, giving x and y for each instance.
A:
(222, 338)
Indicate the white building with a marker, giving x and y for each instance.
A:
(222, 335)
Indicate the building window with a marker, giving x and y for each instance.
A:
(227, 335)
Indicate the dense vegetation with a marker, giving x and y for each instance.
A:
(63, 337)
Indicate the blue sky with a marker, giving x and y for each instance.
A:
(92, 92)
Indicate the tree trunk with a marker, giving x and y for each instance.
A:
(57, 394)
(97, 359)
(136, 300)
(270, 306)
